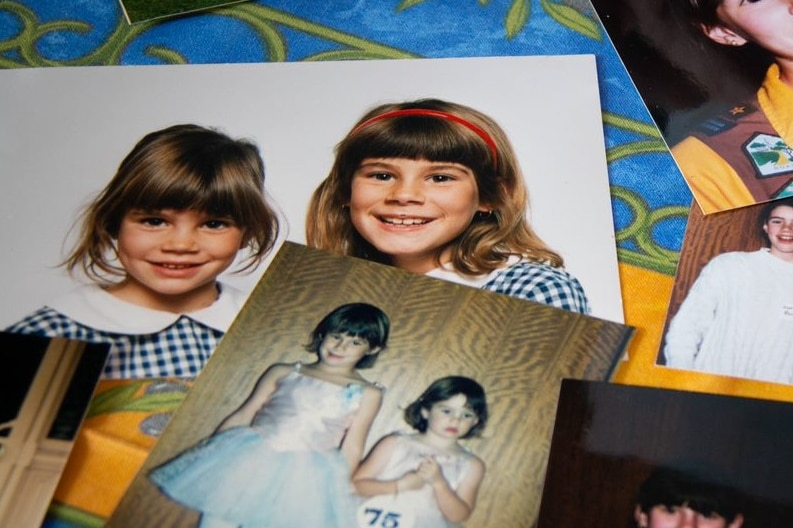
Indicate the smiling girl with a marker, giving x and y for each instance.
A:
(183, 204)
(434, 187)
(737, 318)
(285, 456)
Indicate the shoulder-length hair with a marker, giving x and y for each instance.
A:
(362, 320)
(180, 167)
(444, 389)
(489, 240)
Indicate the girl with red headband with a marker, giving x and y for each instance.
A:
(434, 187)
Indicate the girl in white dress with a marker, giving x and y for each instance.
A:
(433, 479)
(284, 458)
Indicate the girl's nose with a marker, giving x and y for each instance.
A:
(406, 190)
(181, 240)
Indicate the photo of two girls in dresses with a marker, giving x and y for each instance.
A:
(348, 393)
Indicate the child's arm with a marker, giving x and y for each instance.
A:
(355, 437)
(259, 396)
(456, 506)
(365, 477)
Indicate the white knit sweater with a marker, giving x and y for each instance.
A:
(737, 319)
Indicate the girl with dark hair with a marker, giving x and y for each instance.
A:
(737, 318)
(675, 499)
(746, 155)
(432, 478)
(285, 456)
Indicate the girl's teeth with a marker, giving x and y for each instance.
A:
(405, 221)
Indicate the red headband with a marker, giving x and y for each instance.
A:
(434, 113)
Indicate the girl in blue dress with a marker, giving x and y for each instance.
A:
(285, 456)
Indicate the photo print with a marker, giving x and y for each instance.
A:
(444, 348)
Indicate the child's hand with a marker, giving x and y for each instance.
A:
(411, 481)
(429, 470)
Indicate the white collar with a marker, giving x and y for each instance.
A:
(92, 306)
(448, 273)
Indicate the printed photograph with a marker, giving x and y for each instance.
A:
(731, 310)
(348, 393)
(96, 153)
(640, 457)
(45, 388)
(715, 76)
(137, 11)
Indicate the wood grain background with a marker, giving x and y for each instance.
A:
(519, 351)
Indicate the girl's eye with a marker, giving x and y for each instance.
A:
(380, 176)
(152, 221)
(217, 224)
(469, 416)
(441, 178)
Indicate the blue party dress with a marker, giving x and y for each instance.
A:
(283, 470)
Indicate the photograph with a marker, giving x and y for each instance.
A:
(438, 403)
(136, 11)
(95, 146)
(731, 310)
(643, 457)
(716, 77)
(46, 386)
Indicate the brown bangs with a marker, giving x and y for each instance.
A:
(416, 137)
(209, 178)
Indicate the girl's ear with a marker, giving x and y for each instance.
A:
(738, 522)
(723, 35)
(484, 208)
(640, 517)
(374, 350)
(424, 413)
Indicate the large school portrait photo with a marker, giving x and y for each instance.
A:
(88, 121)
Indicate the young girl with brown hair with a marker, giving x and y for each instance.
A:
(434, 187)
(182, 205)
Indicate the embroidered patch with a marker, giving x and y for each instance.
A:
(769, 155)
(785, 192)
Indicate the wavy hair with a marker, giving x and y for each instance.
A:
(489, 240)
